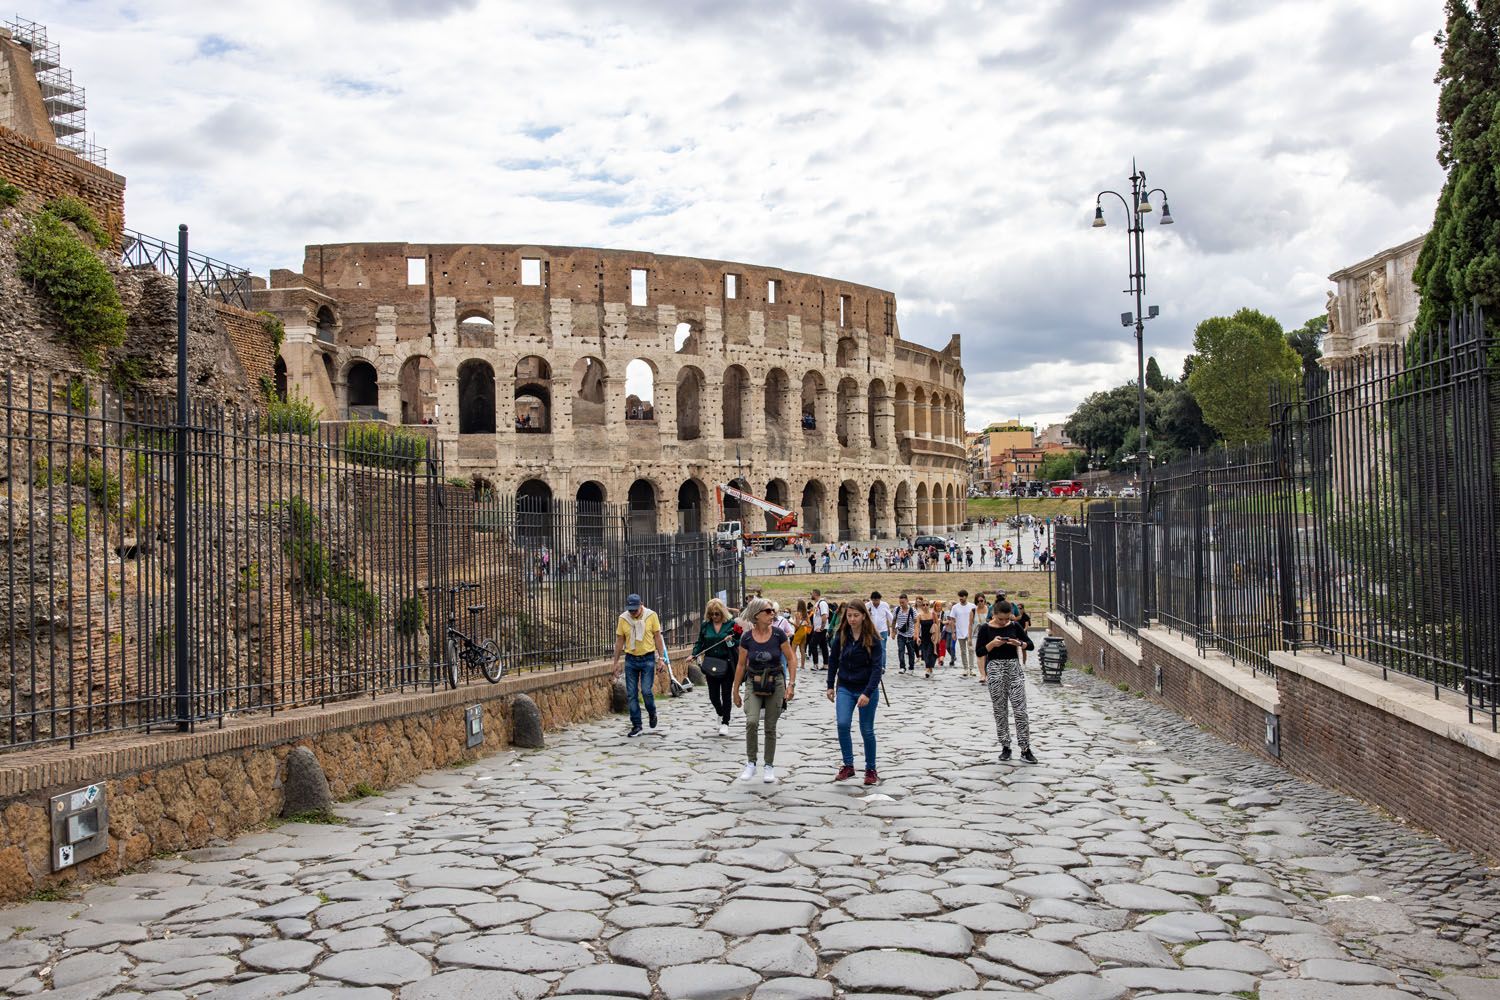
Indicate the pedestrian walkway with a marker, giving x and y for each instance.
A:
(1141, 858)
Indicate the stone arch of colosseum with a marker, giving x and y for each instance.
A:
(629, 378)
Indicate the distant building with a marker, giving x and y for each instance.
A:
(1054, 437)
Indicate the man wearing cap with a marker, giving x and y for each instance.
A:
(638, 635)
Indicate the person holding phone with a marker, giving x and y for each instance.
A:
(1000, 642)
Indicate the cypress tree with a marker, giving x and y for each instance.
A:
(1460, 261)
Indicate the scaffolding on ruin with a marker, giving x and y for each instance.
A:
(64, 100)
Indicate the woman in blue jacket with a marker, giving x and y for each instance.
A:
(854, 670)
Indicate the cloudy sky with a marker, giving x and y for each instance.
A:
(948, 150)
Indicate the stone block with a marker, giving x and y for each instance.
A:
(526, 723)
(305, 788)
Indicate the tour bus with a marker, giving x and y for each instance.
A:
(1067, 488)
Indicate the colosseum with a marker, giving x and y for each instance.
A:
(636, 378)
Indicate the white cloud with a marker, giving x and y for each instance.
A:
(948, 150)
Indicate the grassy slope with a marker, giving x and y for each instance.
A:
(1045, 507)
(1029, 587)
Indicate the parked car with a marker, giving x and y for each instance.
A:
(1130, 493)
(929, 542)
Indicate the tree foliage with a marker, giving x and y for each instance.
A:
(1307, 341)
(56, 261)
(1240, 358)
(1154, 379)
(1060, 465)
(1460, 260)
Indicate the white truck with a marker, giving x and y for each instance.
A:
(785, 533)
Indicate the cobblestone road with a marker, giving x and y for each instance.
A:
(1141, 857)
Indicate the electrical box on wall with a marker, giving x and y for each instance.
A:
(80, 825)
(1273, 734)
(474, 725)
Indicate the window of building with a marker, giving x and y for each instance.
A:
(731, 286)
(416, 270)
(531, 271)
(637, 286)
(843, 310)
(773, 291)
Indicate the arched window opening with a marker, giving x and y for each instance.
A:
(534, 515)
(685, 339)
(689, 404)
(848, 352)
(906, 511)
(642, 501)
(640, 390)
(588, 393)
(418, 385)
(736, 391)
(874, 508)
(919, 413)
(848, 390)
(533, 396)
(690, 507)
(812, 391)
(734, 510)
(777, 493)
(848, 509)
(327, 325)
(903, 409)
(476, 398)
(280, 373)
(364, 391)
(777, 390)
(875, 424)
(813, 495)
(590, 498)
(924, 509)
(476, 331)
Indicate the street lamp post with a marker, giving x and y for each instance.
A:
(1136, 209)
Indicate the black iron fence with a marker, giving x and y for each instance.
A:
(210, 278)
(1368, 525)
(320, 565)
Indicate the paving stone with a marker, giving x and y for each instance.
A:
(568, 925)
(76, 969)
(907, 973)
(1126, 947)
(474, 984)
(1472, 988)
(1050, 886)
(15, 954)
(1298, 947)
(496, 914)
(1181, 928)
(1424, 950)
(1082, 987)
(621, 980)
(891, 905)
(281, 956)
(776, 955)
(932, 937)
(1182, 980)
(259, 988)
(986, 918)
(515, 953)
(707, 982)
(792, 988)
(1369, 915)
(1336, 970)
(741, 917)
(651, 916)
(1042, 957)
(391, 965)
(1145, 898)
(181, 972)
(1235, 956)
(1304, 989)
(659, 947)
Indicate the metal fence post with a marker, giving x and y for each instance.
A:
(180, 497)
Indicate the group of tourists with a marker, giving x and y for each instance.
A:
(751, 661)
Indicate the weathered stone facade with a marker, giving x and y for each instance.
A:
(1374, 307)
(517, 357)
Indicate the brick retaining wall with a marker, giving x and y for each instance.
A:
(170, 792)
(252, 344)
(1386, 741)
(44, 171)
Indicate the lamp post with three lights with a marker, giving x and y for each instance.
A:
(1136, 208)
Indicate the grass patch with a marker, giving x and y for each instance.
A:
(293, 415)
(323, 897)
(382, 447)
(50, 894)
(361, 791)
(1027, 586)
(10, 195)
(322, 816)
(71, 209)
(1036, 506)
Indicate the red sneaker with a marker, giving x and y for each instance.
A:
(846, 772)
(871, 778)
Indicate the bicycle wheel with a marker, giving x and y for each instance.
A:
(490, 662)
(451, 667)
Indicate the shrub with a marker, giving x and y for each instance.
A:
(346, 627)
(274, 327)
(71, 209)
(293, 415)
(301, 544)
(10, 195)
(79, 397)
(410, 615)
(103, 486)
(354, 594)
(384, 447)
(125, 373)
(57, 262)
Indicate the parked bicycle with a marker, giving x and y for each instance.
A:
(460, 650)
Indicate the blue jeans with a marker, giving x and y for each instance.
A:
(885, 637)
(640, 678)
(844, 704)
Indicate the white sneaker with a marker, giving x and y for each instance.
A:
(724, 729)
(769, 776)
(748, 774)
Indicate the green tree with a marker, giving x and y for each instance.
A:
(1103, 419)
(1240, 358)
(1460, 260)
(1307, 341)
(1155, 381)
(1180, 424)
(1059, 465)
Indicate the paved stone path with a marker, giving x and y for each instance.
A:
(1141, 858)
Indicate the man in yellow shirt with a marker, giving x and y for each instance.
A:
(638, 636)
